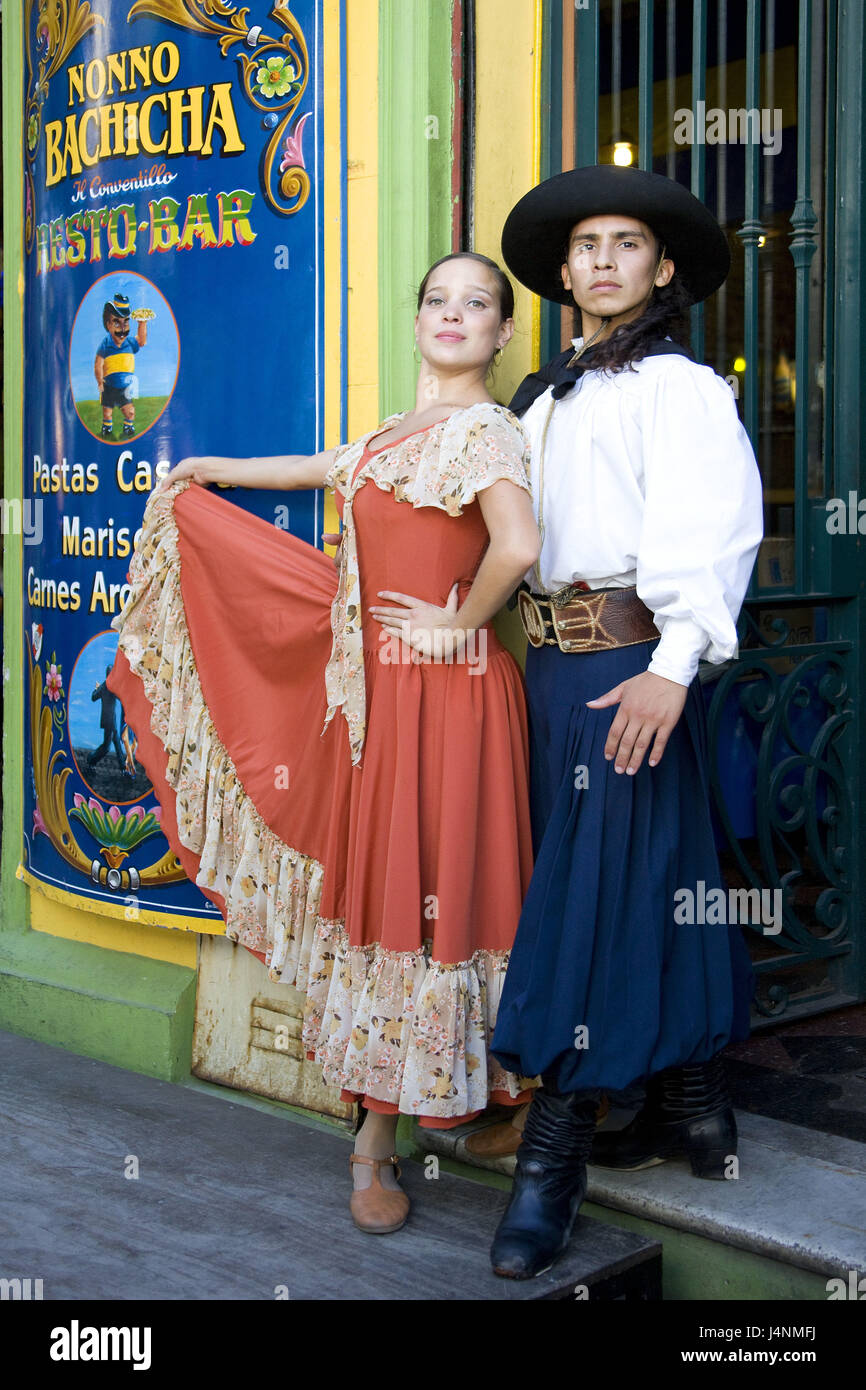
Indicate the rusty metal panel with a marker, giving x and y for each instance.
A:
(248, 1032)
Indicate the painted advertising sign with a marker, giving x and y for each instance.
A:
(175, 258)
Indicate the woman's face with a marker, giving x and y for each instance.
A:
(458, 326)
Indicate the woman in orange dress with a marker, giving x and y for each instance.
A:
(342, 765)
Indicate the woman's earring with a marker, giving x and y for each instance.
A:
(416, 354)
(497, 354)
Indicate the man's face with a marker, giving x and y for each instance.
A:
(118, 328)
(612, 265)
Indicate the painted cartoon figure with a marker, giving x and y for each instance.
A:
(113, 368)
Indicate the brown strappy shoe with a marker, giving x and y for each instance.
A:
(375, 1209)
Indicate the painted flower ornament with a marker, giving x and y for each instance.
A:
(117, 832)
(53, 679)
(275, 77)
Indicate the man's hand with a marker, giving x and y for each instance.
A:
(428, 630)
(649, 707)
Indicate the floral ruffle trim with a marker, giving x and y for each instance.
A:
(402, 1028)
(396, 1026)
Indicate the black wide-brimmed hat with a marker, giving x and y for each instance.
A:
(536, 231)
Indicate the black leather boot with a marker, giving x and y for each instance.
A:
(549, 1183)
(687, 1111)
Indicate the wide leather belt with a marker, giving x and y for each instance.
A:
(595, 622)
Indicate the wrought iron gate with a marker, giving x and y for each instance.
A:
(756, 105)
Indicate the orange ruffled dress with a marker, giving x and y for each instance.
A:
(377, 860)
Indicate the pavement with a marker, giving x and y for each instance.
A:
(117, 1186)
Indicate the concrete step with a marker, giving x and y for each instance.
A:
(120, 1186)
(799, 1196)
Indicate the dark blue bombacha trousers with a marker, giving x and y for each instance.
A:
(604, 987)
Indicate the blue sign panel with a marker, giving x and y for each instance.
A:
(174, 306)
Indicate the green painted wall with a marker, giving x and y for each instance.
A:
(415, 115)
(13, 895)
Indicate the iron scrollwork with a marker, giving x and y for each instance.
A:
(789, 708)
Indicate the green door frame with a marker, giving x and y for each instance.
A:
(416, 115)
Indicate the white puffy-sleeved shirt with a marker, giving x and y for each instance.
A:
(650, 479)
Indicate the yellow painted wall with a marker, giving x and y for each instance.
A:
(333, 228)
(507, 163)
(362, 168)
(158, 943)
(362, 59)
(508, 75)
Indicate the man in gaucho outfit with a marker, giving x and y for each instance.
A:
(649, 503)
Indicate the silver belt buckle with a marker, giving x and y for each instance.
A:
(565, 595)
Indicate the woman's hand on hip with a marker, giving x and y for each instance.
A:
(649, 707)
(428, 630)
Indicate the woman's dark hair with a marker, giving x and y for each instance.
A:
(503, 284)
(666, 315)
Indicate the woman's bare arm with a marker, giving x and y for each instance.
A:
(514, 547)
(280, 472)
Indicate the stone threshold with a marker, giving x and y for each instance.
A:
(800, 1197)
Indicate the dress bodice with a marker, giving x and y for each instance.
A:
(438, 537)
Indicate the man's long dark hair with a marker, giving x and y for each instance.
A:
(666, 315)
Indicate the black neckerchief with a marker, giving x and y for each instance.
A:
(562, 377)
